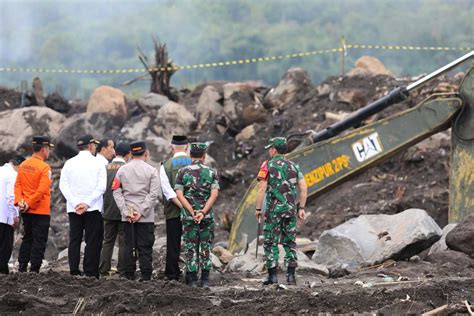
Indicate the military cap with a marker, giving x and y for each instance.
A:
(17, 160)
(276, 142)
(42, 140)
(122, 149)
(138, 148)
(198, 147)
(87, 139)
(179, 140)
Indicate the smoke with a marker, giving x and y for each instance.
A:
(17, 23)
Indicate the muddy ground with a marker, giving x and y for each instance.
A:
(416, 178)
(423, 287)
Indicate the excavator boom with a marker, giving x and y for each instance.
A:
(334, 159)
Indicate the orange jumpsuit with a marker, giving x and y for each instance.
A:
(33, 184)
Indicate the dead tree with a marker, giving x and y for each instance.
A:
(161, 71)
(38, 90)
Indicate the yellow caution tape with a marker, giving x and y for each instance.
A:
(344, 49)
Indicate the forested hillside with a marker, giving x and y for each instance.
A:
(105, 35)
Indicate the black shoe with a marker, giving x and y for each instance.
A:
(272, 277)
(129, 276)
(34, 269)
(204, 279)
(77, 272)
(191, 279)
(290, 276)
(22, 267)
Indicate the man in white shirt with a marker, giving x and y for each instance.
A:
(106, 151)
(9, 216)
(168, 171)
(83, 182)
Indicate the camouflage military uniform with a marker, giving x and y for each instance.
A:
(196, 181)
(282, 177)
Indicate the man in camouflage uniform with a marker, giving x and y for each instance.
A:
(197, 188)
(278, 179)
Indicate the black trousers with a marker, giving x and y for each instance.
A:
(91, 226)
(174, 230)
(112, 230)
(141, 237)
(6, 246)
(34, 241)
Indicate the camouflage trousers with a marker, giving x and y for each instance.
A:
(198, 240)
(276, 226)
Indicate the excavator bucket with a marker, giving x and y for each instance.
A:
(461, 178)
(329, 162)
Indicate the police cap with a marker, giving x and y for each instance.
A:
(138, 148)
(42, 141)
(86, 140)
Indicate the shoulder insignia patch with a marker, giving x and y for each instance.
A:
(263, 172)
(116, 184)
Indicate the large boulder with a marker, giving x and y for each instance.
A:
(208, 106)
(99, 125)
(369, 66)
(294, 84)
(441, 245)
(451, 257)
(248, 262)
(106, 99)
(153, 101)
(142, 128)
(18, 126)
(173, 118)
(461, 238)
(371, 239)
(242, 106)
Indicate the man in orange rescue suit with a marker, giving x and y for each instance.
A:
(33, 198)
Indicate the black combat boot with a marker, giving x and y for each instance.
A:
(272, 277)
(204, 279)
(191, 279)
(290, 276)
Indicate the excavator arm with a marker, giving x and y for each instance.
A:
(333, 158)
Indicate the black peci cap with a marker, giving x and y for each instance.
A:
(179, 140)
(122, 149)
(86, 139)
(42, 140)
(138, 148)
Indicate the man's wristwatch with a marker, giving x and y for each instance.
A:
(301, 208)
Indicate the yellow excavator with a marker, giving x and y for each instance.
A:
(329, 157)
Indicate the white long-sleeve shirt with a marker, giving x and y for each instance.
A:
(7, 196)
(83, 180)
(168, 191)
(102, 159)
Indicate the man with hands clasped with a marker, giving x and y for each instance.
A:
(197, 189)
(83, 182)
(136, 190)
